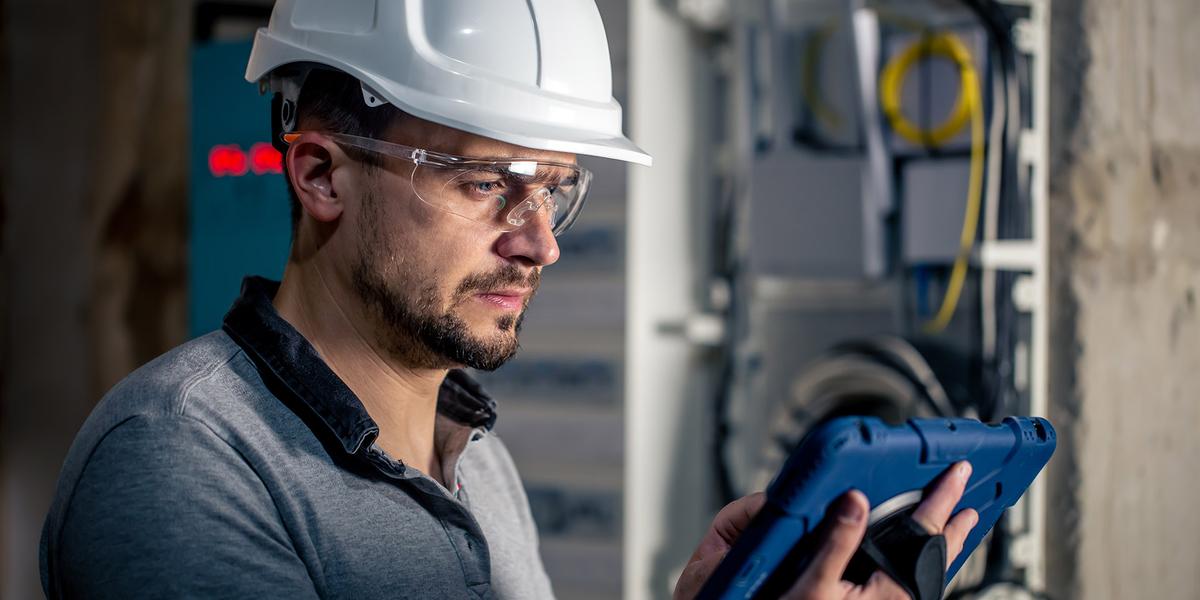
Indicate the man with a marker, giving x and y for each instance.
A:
(324, 443)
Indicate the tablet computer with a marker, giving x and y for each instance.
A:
(892, 466)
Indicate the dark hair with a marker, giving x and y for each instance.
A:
(333, 101)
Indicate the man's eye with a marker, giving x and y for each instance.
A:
(565, 184)
(487, 187)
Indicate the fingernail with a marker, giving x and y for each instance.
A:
(974, 518)
(849, 511)
(964, 470)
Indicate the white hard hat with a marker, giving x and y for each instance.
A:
(535, 73)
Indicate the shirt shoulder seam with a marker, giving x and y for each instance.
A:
(185, 392)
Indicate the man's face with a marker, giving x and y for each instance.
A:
(444, 291)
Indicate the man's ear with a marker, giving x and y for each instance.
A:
(311, 160)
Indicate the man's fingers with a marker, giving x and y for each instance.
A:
(882, 587)
(735, 517)
(845, 526)
(728, 525)
(695, 574)
(847, 523)
(956, 532)
(935, 509)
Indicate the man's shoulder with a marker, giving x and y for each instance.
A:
(210, 368)
(180, 368)
(208, 380)
(186, 379)
(173, 433)
(200, 400)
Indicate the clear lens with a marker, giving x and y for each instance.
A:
(504, 195)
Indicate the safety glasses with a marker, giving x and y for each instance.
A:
(503, 194)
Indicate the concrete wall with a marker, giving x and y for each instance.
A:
(1125, 194)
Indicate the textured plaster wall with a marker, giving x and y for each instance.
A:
(1125, 195)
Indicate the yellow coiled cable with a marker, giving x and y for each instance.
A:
(969, 107)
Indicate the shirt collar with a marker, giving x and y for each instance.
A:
(283, 355)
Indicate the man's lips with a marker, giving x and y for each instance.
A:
(508, 299)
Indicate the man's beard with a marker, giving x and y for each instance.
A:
(418, 333)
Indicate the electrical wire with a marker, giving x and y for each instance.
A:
(899, 354)
(991, 219)
(999, 27)
(1004, 185)
(993, 322)
(1001, 174)
(891, 83)
(996, 311)
(969, 107)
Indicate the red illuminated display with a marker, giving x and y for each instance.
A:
(265, 159)
(229, 160)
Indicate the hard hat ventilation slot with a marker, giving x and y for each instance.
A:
(288, 82)
(371, 97)
(287, 115)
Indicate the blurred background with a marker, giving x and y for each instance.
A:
(896, 208)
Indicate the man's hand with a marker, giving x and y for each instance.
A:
(844, 526)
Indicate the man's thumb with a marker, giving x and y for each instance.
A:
(845, 524)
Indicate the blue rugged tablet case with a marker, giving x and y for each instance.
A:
(887, 464)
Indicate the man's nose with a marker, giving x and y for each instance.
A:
(533, 242)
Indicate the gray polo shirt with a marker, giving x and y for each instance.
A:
(238, 464)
